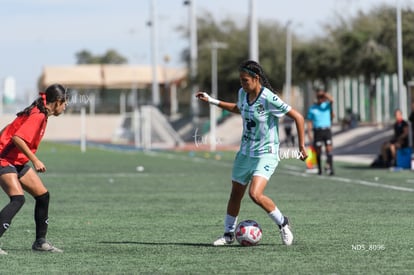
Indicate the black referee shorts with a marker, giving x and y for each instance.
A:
(322, 137)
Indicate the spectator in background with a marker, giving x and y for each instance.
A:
(411, 119)
(350, 120)
(399, 140)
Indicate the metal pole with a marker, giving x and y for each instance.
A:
(399, 55)
(254, 36)
(193, 58)
(92, 102)
(362, 111)
(378, 97)
(154, 54)
(83, 129)
(136, 117)
(288, 73)
(214, 92)
(386, 110)
(122, 103)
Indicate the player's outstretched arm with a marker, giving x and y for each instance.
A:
(229, 106)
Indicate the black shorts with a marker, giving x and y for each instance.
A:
(322, 136)
(20, 170)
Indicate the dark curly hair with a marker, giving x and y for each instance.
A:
(53, 93)
(253, 69)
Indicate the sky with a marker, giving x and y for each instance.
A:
(38, 33)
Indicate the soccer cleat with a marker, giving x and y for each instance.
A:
(285, 232)
(45, 246)
(2, 252)
(226, 239)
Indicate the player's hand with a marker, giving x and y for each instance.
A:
(303, 154)
(203, 96)
(39, 166)
(328, 97)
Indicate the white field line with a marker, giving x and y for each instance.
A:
(353, 181)
(114, 175)
(293, 171)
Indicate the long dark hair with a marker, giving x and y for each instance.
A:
(53, 93)
(253, 69)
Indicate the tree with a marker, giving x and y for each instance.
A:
(235, 34)
(110, 57)
(364, 45)
(317, 60)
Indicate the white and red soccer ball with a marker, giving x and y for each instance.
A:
(248, 233)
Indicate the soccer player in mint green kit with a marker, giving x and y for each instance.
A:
(258, 157)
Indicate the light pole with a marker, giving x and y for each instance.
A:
(399, 56)
(214, 91)
(154, 54)
(288, 73)
(253, 34)
(193, 58)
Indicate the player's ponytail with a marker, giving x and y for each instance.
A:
(53, 93)
(254, 69)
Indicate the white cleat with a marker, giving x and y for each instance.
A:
(226, 239)
(286, 233)
(2, 252)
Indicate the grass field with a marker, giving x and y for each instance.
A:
(111, 219)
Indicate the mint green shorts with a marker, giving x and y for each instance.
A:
(245, 167)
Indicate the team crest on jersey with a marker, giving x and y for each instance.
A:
(260, 109)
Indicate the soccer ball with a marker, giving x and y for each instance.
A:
(248, 233)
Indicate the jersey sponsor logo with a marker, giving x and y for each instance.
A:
(250, 124)
(250, 138)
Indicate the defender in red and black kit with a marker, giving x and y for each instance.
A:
(19, 142)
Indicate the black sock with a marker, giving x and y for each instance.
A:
(9, 211)
(329, 159)
(41, 215)
(318, 160)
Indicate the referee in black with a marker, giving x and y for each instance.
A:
(319, 122)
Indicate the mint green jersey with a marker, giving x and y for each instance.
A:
(261, 123)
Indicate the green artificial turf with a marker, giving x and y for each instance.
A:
(110, 218)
